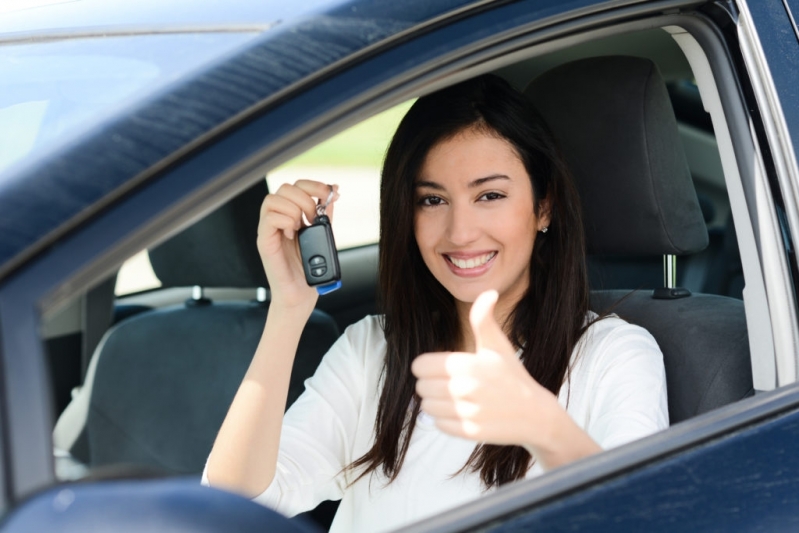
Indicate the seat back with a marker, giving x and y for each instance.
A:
(160, 383)
(613, 120)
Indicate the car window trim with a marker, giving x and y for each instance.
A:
(381, 97)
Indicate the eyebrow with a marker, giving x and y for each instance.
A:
(472, 184)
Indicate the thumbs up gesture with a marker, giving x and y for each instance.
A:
(488, 395)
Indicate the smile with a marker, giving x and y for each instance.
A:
(472, 262)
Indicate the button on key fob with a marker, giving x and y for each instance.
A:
(319, 256)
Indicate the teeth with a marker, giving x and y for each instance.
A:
(473, 262)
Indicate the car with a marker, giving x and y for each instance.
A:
(134, 126)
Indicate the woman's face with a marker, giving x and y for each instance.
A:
(474, 221)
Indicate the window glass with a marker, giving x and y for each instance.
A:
(136, 275)
(352, 159)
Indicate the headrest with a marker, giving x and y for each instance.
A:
(616, 128)
(219, 250)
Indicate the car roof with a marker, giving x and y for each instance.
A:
(44, 196)
(63, 17)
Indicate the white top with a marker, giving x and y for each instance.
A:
(618, 394)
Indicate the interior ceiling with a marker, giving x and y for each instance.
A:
(655, 44)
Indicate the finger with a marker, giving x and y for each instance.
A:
(442, 364)
(450, 409)
(433, 388)
(459, 388)
(282, 206)
(465, 429)
(299, 197)
(281, 222)
(487, 332)
(318, 190)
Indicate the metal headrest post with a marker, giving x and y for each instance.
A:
(670, 271)
(198, 298)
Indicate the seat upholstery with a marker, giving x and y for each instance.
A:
(615, 125)
(160, 383)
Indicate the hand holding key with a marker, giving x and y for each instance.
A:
(281, 220)
(318, 251)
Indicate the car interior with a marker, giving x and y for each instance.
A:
(142, 381)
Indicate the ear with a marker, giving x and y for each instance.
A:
(544, 213)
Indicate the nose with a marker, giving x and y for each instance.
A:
(463, 225)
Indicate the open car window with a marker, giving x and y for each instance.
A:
(351, 160)
(123, 406)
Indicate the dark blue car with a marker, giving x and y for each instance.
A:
(134, 143)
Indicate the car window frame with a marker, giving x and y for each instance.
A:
(94, 250)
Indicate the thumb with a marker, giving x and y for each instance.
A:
(488, 334)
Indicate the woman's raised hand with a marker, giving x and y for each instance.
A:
(281, 219)
(489, 396)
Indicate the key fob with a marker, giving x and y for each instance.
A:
(319, 256)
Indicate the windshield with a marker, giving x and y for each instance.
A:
(52, 90)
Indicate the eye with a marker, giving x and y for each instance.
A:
(491, 196)
(430, 201)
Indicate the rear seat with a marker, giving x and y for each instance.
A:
(160, 382)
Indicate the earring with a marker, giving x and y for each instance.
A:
(544, 229)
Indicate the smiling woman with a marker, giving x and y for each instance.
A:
(474, 191)
(460, 392)
(486, 330)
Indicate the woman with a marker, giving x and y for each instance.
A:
(486, 366)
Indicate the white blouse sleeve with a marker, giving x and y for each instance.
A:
(627, 387)
(318, 432)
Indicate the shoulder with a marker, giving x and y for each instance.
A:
(366, 332)
(615, 330)
(619, 383)
(360, 343)
(612, 341)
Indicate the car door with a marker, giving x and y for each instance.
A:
(662, 480)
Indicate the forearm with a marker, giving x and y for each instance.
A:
(561, 442)
(244, 455)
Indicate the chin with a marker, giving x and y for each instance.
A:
(467, 294)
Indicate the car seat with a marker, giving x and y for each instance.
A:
(646, 272)
(160, 382)
(613, 120)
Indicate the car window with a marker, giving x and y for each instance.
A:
(136, 275)
(351, 159)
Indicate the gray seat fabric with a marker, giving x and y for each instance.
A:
(646, 272)
(160, 383)
(693, 333)
(165, 379)
(613, 120)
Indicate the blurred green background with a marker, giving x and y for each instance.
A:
(363, 145)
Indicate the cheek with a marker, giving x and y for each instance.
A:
(424, 230)
(518, 231)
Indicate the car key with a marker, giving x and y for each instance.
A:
(318, 252)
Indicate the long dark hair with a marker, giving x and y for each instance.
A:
(420, 314)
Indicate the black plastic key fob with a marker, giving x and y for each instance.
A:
(319, 256)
